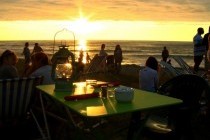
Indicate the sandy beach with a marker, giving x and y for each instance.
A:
(128, 76)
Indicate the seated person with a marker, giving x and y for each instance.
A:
(40, 67)
(8, 60)
(148, 76)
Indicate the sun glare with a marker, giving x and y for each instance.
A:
(80, 26)
(84, 27)
(82, 45)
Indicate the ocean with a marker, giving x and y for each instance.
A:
(134, 52)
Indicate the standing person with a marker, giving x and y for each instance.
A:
(88, 59)
(37, 48)
(118, 58)
(199, 48)
(148, 76)
(208, 52)
(103, 56)
(102, 51)
(206, 44)
(26, 53)
(81, 54)
(81, 65)
(8, 60)
(165, 54)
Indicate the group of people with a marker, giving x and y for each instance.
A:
(81, 65)
(117, 56)
(201, 48)
(36, 64)
(148, 76)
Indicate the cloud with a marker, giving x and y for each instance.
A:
(158, 10)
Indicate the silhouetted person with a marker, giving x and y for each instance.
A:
(88, 59)
(27, 56)
(206, 44)
(148, 76)
(26, 52)
(165, 54)
(199, 48)
(118, 58)
(102, 52)
(40, 66)
(8, 60)
(80, 62)
(37, 48)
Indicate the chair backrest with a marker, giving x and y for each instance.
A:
(187, 87)
(95, 63)
(16, 96)
(185, 67)
(173, 71)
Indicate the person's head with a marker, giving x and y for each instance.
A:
(39, 59)
(102, 46)
(152, 63)
(117, 47)
(209, 29)
(26, 44)
(200, 30)
(36, 44)
(8, 58)
(164, 47)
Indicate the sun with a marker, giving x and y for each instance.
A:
(80, 26)
(83, 26)
(83, 29)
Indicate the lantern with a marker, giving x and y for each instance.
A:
(63, 67)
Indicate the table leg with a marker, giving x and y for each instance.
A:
(136, 126)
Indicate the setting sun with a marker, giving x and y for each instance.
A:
(83, 27)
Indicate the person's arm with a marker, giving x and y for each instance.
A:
(209, 42)
(208, 52)
(23, 53)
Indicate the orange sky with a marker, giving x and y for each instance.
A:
(90, 19)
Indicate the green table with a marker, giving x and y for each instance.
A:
(99, 107)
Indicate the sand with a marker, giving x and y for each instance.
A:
(129, 75)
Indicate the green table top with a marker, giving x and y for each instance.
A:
(95, 107)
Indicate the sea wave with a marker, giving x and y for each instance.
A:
(134, 52)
